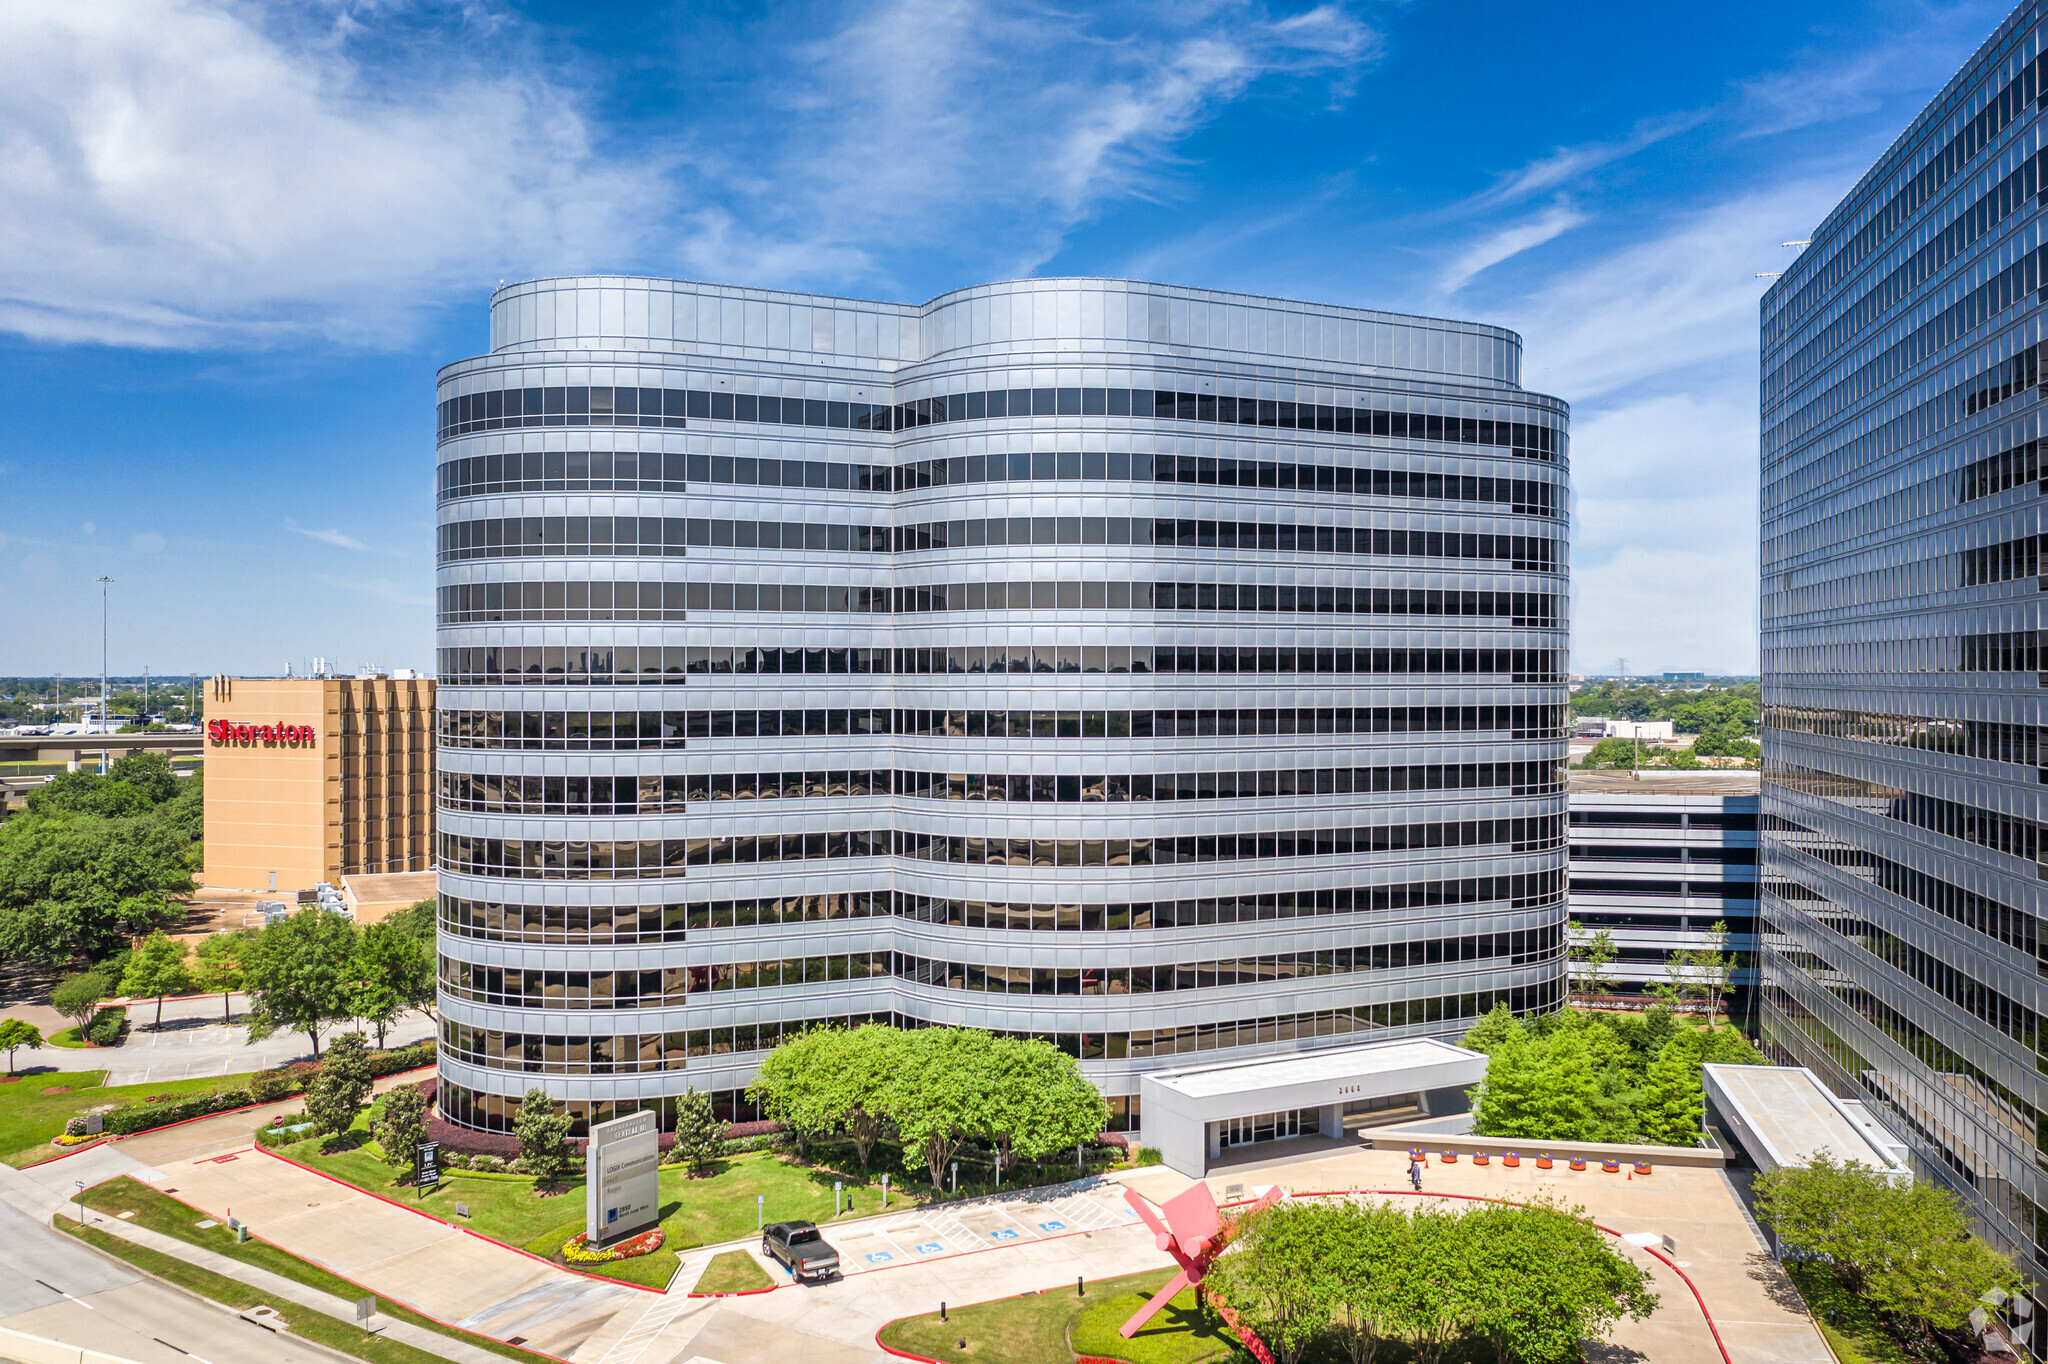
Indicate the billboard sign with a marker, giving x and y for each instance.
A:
(622, 1191)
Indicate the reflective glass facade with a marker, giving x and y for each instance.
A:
(1157, 671)
(1901, 512)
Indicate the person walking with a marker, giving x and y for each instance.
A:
(1415, 1173)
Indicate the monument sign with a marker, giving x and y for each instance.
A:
(622, 1190)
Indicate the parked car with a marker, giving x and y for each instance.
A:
(800, 1246)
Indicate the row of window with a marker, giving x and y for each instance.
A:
(599, 405)
(2009, 196)
(2016, 651)
(627, 729)
(490, 603)
(538, 989)
(598, 471)
(1698, 890)
(1995, 473)
(1988, 739)
(626, 924)
(2002, 563)
(1649, 852)
(648, 665)
(1968, 823)
(2014, 101)
(624, 1054)
(580, 860)
(1662, 819)
(1979, 913)
(608, 537)
(513, 794)
(468, 603)
(1674, 921)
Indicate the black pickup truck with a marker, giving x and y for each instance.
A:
(800, 1246)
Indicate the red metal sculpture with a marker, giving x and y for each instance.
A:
(1194, 1234)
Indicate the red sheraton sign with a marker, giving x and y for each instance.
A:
(228, 732)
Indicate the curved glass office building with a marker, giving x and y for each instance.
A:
(1158, 671)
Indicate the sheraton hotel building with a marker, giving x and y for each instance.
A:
(1173, 675)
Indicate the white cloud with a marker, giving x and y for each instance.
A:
(325, 537)
(942, 122)
(1567, 164)
(148, 542)
(1506, 242)
(173, 172)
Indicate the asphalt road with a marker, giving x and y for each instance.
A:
(53, 1287)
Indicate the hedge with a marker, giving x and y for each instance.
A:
(264, 1087)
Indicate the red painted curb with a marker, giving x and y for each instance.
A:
(736, 1293)
(421, 1212)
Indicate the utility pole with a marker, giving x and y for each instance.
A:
(104, 583)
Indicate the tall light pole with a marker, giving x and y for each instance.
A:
(104, 584)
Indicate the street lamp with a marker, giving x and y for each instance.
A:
(104, 584)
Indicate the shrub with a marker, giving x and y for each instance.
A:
(107, 1032)
(75, 1127)
(145, 1116)
(455, 1160)
(517, 1166)
(543, 1132)
(488, 1165)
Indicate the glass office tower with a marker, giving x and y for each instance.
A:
(1170, 674)
(1902, 672)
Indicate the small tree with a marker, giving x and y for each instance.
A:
(1276, 1275)
(1705, 973)
(1906, 1248)
(700, 1132)
(797, 1084)
(1364, 1261)
(217, 966)
(1509, 1097)
(16, 1033)
(1550, 1281)
(1038, 1101)
(543, 1135)
(342, 1087)
(393, 974)
(78, 998)
(937, 1095)
(401, 1124)
(863, 1061)
(156, 968)
(1673, 1099)
(298, 975)
(1591, 953)
(1432, 1301)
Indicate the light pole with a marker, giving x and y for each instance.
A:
(104, 584)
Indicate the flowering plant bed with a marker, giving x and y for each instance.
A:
(67, 1141)
(576, 1250)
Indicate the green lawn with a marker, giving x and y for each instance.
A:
(161, 1213)
(30, 1118)
(335, 1334)
(1856, 1335)
(694, 1212)
(1034, 1329)
(733, 1271)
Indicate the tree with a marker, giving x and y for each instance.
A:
(1551, 1281)
(298, 975)
(1432, 1301)
(1673, 1099)
(1363, 1262)
(700, 1132)
(1590, 954)
(393, 974)
(342, 1087)
(78, 998)
(863, 1061)
(417, 920)
(543, 1134)
(1510, 1098)
(1705, 973)
(798, 1085)
(1275, 1276)
(1493, 1029)
(1905, 1247)
(401, 1124)
(156, 968)
(936, 1096)
(218, 965)
(1038, 1101)
(14, 1034)
(79, 886)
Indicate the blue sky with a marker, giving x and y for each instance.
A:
(236, 241)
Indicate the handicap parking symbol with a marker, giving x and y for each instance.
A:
(1004, 1234)
(876, 1257)
(928, 1247)
(1052, 1226)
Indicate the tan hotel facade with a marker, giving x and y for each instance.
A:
(313, 779)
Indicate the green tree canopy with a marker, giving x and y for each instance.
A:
(298, 975)
(1038, 1101)
(1903, 1246)
(218, 963)
(78, 997)
(17, 1033)
(392, 973)
(156, 968)
(700, 1132)
(401, 1125)
(543, 1134)
(798, 1084)
(342, 1087)
(937, 1096)
(1277, 1277)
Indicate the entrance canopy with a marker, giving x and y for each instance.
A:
(1784, 1116)
(1191, 1114)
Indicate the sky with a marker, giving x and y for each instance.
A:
(237, 240)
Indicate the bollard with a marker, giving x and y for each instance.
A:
(1080, 1287)
(942, 1311)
